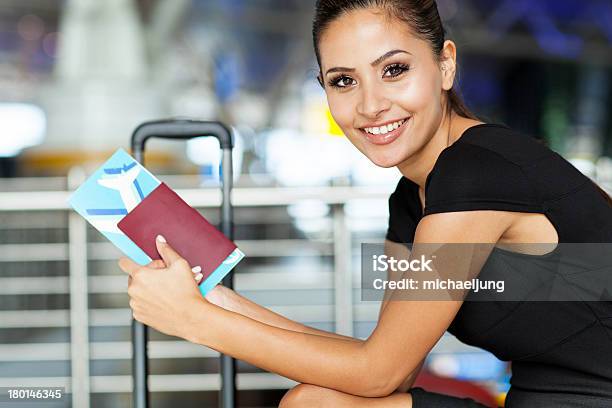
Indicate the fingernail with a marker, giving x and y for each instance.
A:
(161, 238)
(196, 269)
(198, 276)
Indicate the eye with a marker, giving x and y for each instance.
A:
(341, 81)
(396, 69)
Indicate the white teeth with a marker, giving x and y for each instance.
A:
(385, 129)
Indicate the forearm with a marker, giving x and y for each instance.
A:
(248, 308)
(334, 363)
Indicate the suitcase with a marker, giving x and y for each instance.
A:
(186, 129)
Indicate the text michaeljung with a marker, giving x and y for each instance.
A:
(439, 284)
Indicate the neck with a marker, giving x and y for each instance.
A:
(418, 166)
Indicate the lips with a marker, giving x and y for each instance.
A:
(387, 138)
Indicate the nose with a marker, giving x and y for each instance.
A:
(373, 101)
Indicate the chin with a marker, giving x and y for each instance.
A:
(385, 160)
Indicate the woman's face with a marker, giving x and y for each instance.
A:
(384, 86)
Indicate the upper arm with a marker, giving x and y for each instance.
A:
(397, 251)
(408, 329)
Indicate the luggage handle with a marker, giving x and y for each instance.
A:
(180, 129)
(184, 129)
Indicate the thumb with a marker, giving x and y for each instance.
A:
(168, 254)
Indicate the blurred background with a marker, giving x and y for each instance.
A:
(76, 78)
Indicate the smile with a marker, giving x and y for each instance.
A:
(385, 134)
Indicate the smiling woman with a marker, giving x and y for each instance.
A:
(389, 76)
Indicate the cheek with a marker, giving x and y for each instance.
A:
(342, 108)
(342, 111)
(420, 95)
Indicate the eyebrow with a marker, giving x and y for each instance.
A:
(373, 63)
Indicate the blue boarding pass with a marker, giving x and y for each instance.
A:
(115, 189)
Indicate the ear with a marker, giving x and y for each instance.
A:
(448, 64)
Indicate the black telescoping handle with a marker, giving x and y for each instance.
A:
(183, 129)
(180, 129)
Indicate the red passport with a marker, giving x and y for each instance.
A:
(163, 212)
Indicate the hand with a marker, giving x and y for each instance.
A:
(163, 294)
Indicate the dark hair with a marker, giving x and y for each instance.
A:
(421, 15)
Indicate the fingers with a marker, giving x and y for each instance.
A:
(128, 266)
(197, 273)
(168, 254)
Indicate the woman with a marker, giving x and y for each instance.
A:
(388, 74)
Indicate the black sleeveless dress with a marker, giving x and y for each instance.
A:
(560, 352)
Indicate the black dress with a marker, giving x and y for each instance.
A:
(560, 352)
